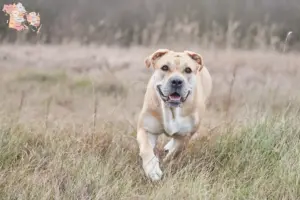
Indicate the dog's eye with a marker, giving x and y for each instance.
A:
(165, 68)
(188, 70)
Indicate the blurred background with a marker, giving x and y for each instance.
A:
(70, 97)
(220, 23)
(95, 46)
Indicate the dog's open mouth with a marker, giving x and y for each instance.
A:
(174, 98)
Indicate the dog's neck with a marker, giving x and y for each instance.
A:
(177, 120)
(173, 112)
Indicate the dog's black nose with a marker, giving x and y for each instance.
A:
(176, 83)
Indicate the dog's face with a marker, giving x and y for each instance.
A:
(175, 74)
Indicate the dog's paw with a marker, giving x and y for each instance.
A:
(152, 169)
(169, 146)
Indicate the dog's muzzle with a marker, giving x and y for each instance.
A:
(174, 99)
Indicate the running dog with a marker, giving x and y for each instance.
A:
(174, 104)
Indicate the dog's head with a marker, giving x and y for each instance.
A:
(175, 74)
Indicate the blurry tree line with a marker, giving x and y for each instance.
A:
(227, 23)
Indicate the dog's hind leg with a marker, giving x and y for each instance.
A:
(175, 146)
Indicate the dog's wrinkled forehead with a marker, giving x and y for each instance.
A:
(174, 60)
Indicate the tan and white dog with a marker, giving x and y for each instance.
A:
(174, 104)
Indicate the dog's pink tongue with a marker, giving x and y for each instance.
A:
(174, 97)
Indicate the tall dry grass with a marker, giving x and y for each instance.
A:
(68, 118)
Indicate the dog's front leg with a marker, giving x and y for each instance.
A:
(147, 144)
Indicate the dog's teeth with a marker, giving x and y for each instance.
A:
(175, 97)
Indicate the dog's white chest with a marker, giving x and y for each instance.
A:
(175, 123)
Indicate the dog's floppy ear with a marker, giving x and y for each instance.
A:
(196, 57)
(153, 57)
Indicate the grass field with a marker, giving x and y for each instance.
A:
(68, 118)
